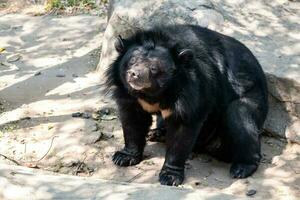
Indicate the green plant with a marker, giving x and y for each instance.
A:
(52, 4)
(62, 4)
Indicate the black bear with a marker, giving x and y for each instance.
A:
(208, 88)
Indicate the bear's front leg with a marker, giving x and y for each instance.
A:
(135, 123)
(180, 141)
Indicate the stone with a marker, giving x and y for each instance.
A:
(127, 16)
(60, 75)
(293, 131)
(92, 138)
(285, 90)
(277, 118)
(13, 58)
(284, 112)
(86, 115)
(250, 193)
(77, 114)
(37, 73)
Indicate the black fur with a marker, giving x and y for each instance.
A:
(213, 86)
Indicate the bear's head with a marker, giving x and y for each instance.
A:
(148, 67)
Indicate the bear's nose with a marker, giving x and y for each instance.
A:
(133, 74)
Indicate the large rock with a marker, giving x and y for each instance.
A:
(270, 30)
(25, 183)
(127, 16)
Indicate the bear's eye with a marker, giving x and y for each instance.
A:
(153, 69)
(132, 61)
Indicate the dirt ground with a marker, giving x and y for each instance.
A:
(54, 116)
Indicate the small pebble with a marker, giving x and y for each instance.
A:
(60, 75)
(197, 183)
(25, 118)
(77, 114)
(16, 27)
(93, 138)
(13, 58)
(37, 73)
(86, 115)
(108, 117)
(13, 173)
(251, 192)
(6, 64)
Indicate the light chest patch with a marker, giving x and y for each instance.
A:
(153, 108)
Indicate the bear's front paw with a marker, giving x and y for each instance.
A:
(169, 176)
(242, 170)
(123, 158)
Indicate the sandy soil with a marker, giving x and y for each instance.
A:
(47, 77)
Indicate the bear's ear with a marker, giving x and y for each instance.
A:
(119, 45)
(185, 55)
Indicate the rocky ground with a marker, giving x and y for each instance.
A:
(54, 116)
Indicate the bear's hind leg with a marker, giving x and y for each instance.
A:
(243, 121)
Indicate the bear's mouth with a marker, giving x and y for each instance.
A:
(138, 85)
